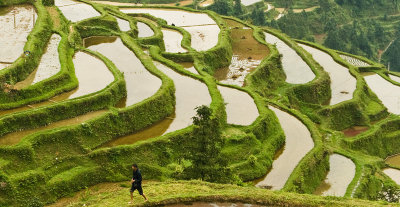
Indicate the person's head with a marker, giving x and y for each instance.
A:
(134, 167)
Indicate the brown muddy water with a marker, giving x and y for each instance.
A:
(341, 172)
(140, 83)
(343, 84)
(123, 24)
(49, 64)
(16, 24)
(93, 75)
(240, 107)
(247, 55)
(189, 66)
(76, 11)
(14, 138)
(354, 61)
(297, 71)
(172, 41)
(144, 30)
(298, 143)
(394, 174)
(388, 93)
(393, 160)
(354, 131)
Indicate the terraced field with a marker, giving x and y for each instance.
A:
(87, 89)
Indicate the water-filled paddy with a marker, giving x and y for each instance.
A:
(393, 160)
(354, 61)
(140, 83)
(203, 37)
(395, 78)
(93, 75)
(297, 71)
(354, 131)
(16, 24)
(123, 24)
(388, 93)
(172, 41)
(189, 66)
(394, 174)
(341, 172)
(247, 55)
(49, 64)
(14, 138)
(343, 84)
(76, 11)
(298, 143)
(144, 30)
(240, 107)
(249, 2)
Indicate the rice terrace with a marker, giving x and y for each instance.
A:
(214, 110)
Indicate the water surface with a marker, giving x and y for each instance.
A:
(144, 30)
(394, 174)
(240, 107)
(393, 160)
(190, 67)
(354, 131)
(172, 41)
(203, 37)
(298, 143)
(343, 84)
(16, 24)
(341, 172)
(388, 93)
(76, 11)
(249, 2)
(140, 83)
(297, 71)
(354, 61)
(123, 24)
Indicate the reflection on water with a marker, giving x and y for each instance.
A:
(395, 78)
(140, 83)
(388, 93)
(172, 41)
(49, 64)
(354, 61)
(189, 94)
(297, 71)
(393, 160)
(341, 172)
(298, 143)
(93, 75)
(354, 131)
(203, 37)
(240, 107)
(247, 55)
(189, 66)
(154, 130)
(394, 174)
(123, 24)
(144, 30)
(16, 24)
(14, 138)
(76, 11)
(343, 84)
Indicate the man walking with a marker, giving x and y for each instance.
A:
(136, 182)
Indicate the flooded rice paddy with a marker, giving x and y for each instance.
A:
(354, 61)
(343, 84)
(123, 24)
(93, 75)
(297, 71)
(393, 160)
(249, 2)
(247, 55)
(189, 67)
(298, 143)
(144, 30)
(341, 172)
(140, 83)
(388, 93)
(240, 107)
(16, 24)
(76, 11)
(394, 174)
(172, 41)
(14, 138)
(49, 64)
(202, 28)
(395, 78)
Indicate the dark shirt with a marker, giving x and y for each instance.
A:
(137, 176)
